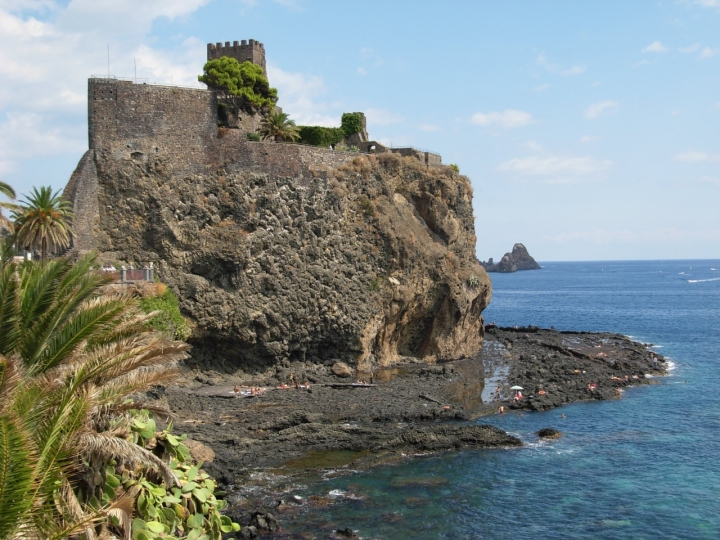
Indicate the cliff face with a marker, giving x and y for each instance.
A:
(518, 259)
(286, 252)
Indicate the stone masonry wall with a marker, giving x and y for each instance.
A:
(132, 120)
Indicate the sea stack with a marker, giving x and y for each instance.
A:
(518, 259)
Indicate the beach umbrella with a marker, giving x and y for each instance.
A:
(516, 388)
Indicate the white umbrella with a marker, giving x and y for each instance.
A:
(516, 388)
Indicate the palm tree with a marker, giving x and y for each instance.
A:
(279, 127)
(70, 359)
(9, 192)
(44, 220)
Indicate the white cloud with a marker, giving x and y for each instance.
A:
(690, 49)
(656, 47)
(45, 64)
(597, 109)
(507, 119)
(692, 156)
(708, 52)
(708, 3)
(362, 71)
(557, 170)
(429, 127)
(641, 63)
(541, 88)
(298, 97)
(25, 135)
(532, 145)
(554, 68)
(588, 139)
(382, 117)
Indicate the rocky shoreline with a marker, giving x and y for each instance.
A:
(410, 409)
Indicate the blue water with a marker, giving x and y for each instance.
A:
(645, 466)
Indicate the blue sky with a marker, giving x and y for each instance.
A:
(590, 130)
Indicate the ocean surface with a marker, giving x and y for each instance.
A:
(645, 466)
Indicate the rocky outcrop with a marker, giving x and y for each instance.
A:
(518, 259)
(368, 263)
(280, 252)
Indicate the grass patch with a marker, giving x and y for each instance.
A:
(169, 321)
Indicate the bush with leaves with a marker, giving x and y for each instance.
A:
(320, 135)
(189, 510)
(240, 87)
(167, 318)
(351, 123)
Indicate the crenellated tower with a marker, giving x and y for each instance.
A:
(243, 51)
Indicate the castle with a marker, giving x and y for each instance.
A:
(252, 51)
(179, 126)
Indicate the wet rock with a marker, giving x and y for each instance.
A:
(264, 521)
(341, 369)
(347, 532)
(548, 433)
(248, 532)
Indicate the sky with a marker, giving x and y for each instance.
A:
(589, 130)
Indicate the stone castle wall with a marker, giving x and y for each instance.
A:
(129, 119)
(252, 51)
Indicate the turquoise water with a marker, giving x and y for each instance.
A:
(645, 466)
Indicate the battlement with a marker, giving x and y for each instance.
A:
(243, 51)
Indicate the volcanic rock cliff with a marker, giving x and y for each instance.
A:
(280, 252)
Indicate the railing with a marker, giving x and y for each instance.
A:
(131, 274)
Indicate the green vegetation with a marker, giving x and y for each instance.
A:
(376, 283)
(43, 220)
(351, 123)
(73, 452)
(473, 282)
(320, 135)
(455, 167)
(9, 192)
(254, 137)
(167, 319)
(240, 87)
(278, 126)
(329, 136)
(189, 510)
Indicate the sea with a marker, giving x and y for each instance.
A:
(644, 466)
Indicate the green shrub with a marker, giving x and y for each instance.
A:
(253, 137)
(191, 511)
(455, 167)
(351, 123)
(169, 321)
(320, 136)
(473, 282)
(376, 283)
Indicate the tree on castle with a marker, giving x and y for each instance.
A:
(240, 87)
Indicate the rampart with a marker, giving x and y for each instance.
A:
(252, 51)
(139, 119)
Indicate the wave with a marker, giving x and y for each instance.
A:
(671, 366)
(680, 273)
(703, 280)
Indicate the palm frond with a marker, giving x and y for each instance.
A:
(9, 308)
(106, 448)
(16, 476)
